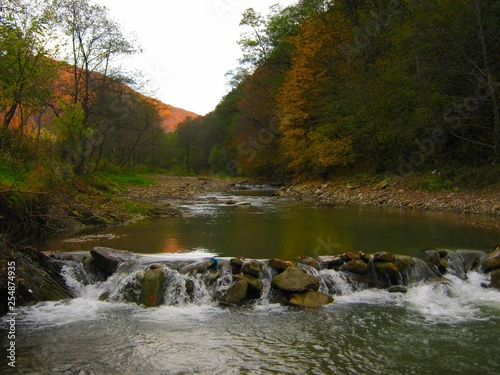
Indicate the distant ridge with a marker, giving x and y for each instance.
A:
(172, 116)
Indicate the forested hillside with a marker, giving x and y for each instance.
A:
(66, 104)
(326, 87)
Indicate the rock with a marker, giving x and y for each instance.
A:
(383, 256)
(230, 202)
(492, 261)
(347, 257)
(455, 264)
(404, 262)
(356, 266)
(255, 285)
(236, 294)
(331, 261)
(397, 289)
(152, 288)
(278, 264)
(295, 280)
(38, 278)
(311, 262)
(310, 299)
(495, 279)
(388, 271)
(252, 268)
(236, 264)
(471, 258)
(198, 267)
(381, 185)
(107, 259)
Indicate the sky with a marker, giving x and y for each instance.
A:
(189, 45)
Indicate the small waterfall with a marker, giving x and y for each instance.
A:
(158, 280)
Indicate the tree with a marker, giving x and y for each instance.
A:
(27, 73)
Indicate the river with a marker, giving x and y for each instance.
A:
(431, 329)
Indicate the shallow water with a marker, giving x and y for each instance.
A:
(272, 227)
(425, 331)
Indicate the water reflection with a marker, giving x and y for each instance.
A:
(270, 227)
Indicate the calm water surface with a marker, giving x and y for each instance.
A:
(429, 330)
(271, 227)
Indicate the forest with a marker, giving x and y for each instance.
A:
(323, 89)
(332, 88)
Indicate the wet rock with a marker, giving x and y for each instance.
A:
(495, 279)
(212, 276)
(236, 264)
(383, 256)
(388, 271)
(347, 257)
(295, 280)
(278, 264)
(252, 268)
(492, 261)
(152, 288)
(198, 267)
(107, 259)
(404, 262)
(311, 262)
(255, 285)
(471, 258)
(310, 299)
(455, 264)
(236, 294)
(356, 266)
(331, 262)
(38, 278)
(432, 257)
(230, 202)
(397, 289)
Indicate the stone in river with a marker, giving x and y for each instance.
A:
(383, 256)
(255, 285)
(388, 272)
(107, 259)
(356, 266)
(278, 264)
(252, 268)
(471, 258)
(152, 287)
(295, 280)
(310, 299)
(492, 261)
(236, 294)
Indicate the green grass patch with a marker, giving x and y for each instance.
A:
(129, 178)
(137, 208)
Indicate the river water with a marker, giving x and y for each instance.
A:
(432, 329)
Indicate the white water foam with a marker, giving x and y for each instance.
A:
(450, 301)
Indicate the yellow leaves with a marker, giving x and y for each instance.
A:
(332, 152)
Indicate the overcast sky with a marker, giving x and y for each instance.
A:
(189, 45)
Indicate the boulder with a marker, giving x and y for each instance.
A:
(310, 299)
(397, 289)
(198, 267)
(381, 185)
(471, 258)
(236, 294)
(331, 261)
(383, 256)
(38, 279)
(356, 266)
(455, 264)
(252, 268)
(495, 279)
(311, 262)
(294, 279)
(388, 271)
(236, 264)
(255, 285)
(404, 262)
(492, 261)
(107, 259)
(152, 287)
(278, 264)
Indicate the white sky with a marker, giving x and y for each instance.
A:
(189, 45)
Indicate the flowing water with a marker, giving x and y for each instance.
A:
(451, 327)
